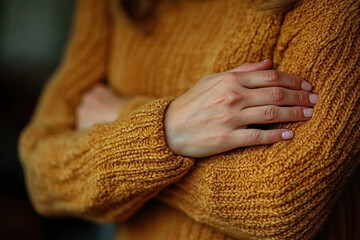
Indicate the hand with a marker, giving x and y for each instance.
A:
(213, 115)
(99, 104)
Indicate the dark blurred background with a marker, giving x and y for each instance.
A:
(33, 34)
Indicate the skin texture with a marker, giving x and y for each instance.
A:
(218, 109)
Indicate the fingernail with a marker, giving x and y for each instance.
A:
(308, 112)
(265, 60)
(306, 86)
(287, 135)
(313, 98)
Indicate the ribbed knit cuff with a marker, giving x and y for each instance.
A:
(133, 161)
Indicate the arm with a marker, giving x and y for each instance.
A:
(286, 190)
(108, 171)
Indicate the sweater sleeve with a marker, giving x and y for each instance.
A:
(106, 172)
(286, 190)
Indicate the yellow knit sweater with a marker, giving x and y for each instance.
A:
(122, 171)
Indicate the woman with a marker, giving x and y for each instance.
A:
(168, 112)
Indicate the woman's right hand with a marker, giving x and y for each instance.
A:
(212, 117)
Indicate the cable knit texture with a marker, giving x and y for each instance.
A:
(106, 173)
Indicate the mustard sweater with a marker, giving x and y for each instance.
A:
(124, 172)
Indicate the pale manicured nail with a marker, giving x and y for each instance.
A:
(287, 135)
(306, 86)
(308, 112)
(265, 60)
(313, 98)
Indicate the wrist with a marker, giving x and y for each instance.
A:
(170, 129)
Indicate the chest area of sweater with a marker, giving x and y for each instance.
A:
(184, 41)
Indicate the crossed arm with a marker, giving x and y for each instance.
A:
(108, 171)
(286, 190)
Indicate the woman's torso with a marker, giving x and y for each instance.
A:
(186, 41)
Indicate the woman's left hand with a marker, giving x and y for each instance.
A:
(99, 104)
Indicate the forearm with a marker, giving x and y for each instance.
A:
(105, 173)
(286, 190)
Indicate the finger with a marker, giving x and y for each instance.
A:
(274, 114)
(279, 96)
(250, 137)
(250, 67)
(274, 78)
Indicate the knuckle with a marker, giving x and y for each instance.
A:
(229, 78)
(272, 76)
(272, 137)
(294, 81)
(296, 114)
(277, 94)
(220, 138)
(255, 137)
(223, 137)
(229, 119)
(270, 113)
(230, 98)
(301, 97)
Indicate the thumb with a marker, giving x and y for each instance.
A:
(251, 67)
